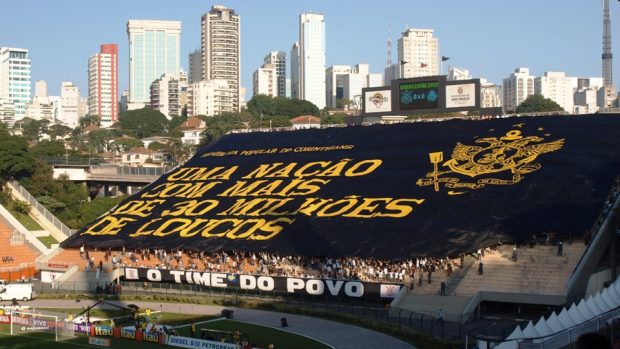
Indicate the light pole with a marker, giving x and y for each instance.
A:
(402, 69)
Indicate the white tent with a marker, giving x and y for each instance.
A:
(529, 331)
(575, 314)
(554, 324)
(542, 328)
(566, 320)
(584, 310)
(593, 304)
(608, 298)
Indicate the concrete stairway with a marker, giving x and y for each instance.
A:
(537, 270)
(20, 253)
(428, 304)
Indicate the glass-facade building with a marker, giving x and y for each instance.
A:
(312, 58)
(154, 50)
(15, 80)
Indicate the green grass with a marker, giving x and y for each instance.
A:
(261, 336)
(26, 221)
(48, 241)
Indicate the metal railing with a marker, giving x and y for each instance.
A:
(128, 171)
(570, 335)
(40, 208)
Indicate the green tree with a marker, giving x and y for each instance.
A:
(47, 148)
(125, 144)
(157, 146)
(88, 120)
(15, 160)
(295, 107)
(59, 131)
(262, 104)
(33, 129)
(333, 119)
(538, 103)
(99, 140)
(91, 210)
(221, 124)
(143, 123)
(343, 103)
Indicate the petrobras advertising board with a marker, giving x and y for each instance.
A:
(187, 342)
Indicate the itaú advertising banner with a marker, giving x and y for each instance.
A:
(461, 95)
(379, 101)
(352, 289)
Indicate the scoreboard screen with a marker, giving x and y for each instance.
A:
(418, 95)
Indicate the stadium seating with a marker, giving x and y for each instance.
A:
(22, 256)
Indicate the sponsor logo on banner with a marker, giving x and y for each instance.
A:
(378, 101)
(187, 342)
(389, 291)
(104, 331)
(458, 96)
(5, 319)
(131, 273)
(150, 337)
(101, 342)
(128, 333)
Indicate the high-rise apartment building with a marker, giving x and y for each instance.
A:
(103, 84)
(312, 58)
(221, 49)
(516, 88)
(209, 97)
(154, 50)
(265, 81)
(15, 83)
(418, 53)
(195, 67)
(165, 96)
(557, 87)
(278, 60)
(40, 89)
(295, 66)
(69, 113)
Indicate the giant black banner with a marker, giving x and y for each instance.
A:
(384, 191)
(325, 288)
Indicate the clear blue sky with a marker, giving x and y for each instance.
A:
(488, 37)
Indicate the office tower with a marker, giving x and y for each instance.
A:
(221, 50)
(517, 87)
(418, 53)
(69, 113)
(154, 50)
(195, 67)
(103, 84)
(265, 81)
(278, 60)
(15, 84)
(295, 66)
(344, 82)
(312, 58)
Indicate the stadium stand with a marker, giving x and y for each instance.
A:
(17, 256)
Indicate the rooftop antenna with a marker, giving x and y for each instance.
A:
(607, 55)
(389, 47)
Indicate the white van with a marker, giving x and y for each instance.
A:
(20, 292)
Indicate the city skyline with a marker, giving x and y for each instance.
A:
(506, 35)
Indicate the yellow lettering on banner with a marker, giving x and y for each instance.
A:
(401, 210)
(278, 187)
(201, 173)
(371, 166)
(180, 190)
(254, 207)
(366, 208)
(143, 229)
(339, 207)
(138, 207)
(215, 223)
(177, 224)
(108, 225)
(272, 228)
(191, 208)
(315, 169)
(238, 233)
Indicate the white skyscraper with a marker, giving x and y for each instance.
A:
(278, 60)
(154, 50)
(557, 87)
(418, 53)
(312, 58)
(517, 87)
(165, 96)
(15, 84)
(221, 49)
(346, 82)
(295, 66)
(40, 89)
(265, 81)
(209, 97)
(69, 113)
